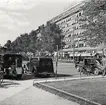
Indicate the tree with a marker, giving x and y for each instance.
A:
(51, 36)
(8, 45)
(21, 43)
(94, 15)
(45, 38)
(33, 38)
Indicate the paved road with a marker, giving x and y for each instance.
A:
(66, 68)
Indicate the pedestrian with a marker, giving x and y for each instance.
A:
(24, 67)
(79, 58)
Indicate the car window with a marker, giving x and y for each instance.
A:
(34, 60)
(46, 62)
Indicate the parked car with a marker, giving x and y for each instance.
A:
(11, 64)
(41, 66)
(90, 65)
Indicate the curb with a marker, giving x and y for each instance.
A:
(65, 79)
(66, 95)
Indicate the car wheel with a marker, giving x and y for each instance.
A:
(19, 76)
(35, 72)
(104, 72)
(78, 68)
(48, 75)
(96, 71)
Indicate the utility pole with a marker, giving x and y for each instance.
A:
(56, 61)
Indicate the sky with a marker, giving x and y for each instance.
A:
(22, 16)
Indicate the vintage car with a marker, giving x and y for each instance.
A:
(90, 65)
(11, 64)
(41, 66)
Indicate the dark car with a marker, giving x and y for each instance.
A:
(11, 64)
(41, 66)
(90, 65)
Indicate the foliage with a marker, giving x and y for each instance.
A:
(21, 43)
(51, 37)
(8, 45)
(94, 13)
(45, 38)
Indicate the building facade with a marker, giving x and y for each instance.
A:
(69, 22)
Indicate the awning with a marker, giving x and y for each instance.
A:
(86, 54)
(83, 54)
(75, 55)
(81, 49)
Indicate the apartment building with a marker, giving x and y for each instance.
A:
(69, 22)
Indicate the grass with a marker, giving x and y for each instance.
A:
(91, 89)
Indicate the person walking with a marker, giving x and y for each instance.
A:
(25, 69)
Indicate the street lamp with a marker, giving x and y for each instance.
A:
(57, 61)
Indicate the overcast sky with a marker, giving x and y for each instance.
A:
(20, 16)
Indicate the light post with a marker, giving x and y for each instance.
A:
(56, 61)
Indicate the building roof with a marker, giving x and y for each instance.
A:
(67, 13)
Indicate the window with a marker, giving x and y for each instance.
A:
(70, 35)
(81, 45)
(68, 19)
(73, 23)
(77, 15)
(67, 25)
(80, 14)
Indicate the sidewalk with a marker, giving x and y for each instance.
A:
(35, 96)
(27, 94)
(10, 88)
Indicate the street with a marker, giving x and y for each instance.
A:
(12, 87)
(68, 69)
(15, 91)
(22, 92)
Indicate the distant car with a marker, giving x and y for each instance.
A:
(41, 66)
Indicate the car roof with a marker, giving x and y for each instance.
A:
(11, 54)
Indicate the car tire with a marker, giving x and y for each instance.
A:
(19, 76)
(78, 68)
(96, 71)
(35, 72)
(48, 75)
(104, 72)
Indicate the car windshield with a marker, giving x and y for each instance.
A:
(13, 59)
(34, 60)
(45, 62)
